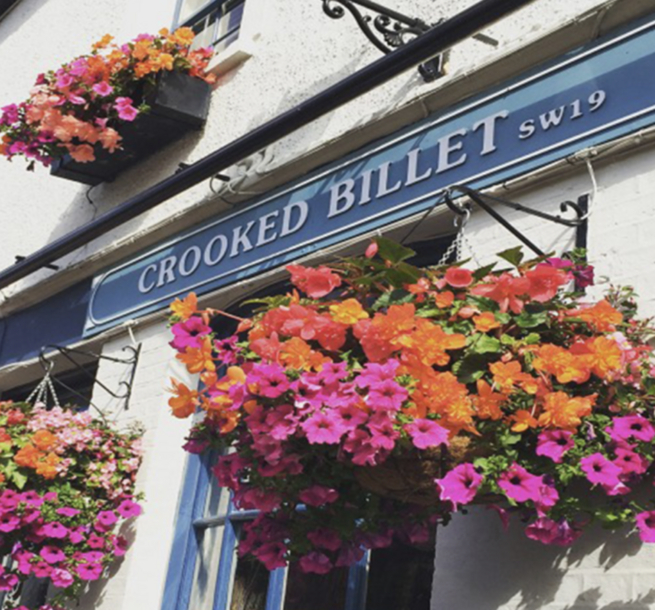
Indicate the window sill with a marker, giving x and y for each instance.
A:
(228, 59)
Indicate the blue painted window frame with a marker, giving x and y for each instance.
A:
(222, 7)
(186, 547)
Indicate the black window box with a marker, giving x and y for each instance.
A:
(178, 105)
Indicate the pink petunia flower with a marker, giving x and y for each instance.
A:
(52, 554)
(519, 485)
(61, 578)
(106, 518)
(8, 581)
(386, 395)
(96, 542)
(317, 495)
(630, 462)
(460, 485)
(103, 88)
(600, 471)
(322, 428)
(88, 571)
(272, 555)
(325, 539)
(128, 508)
(554, 444)
(189, 333)
(54, 530)
(631, 426)
(646, 524)
(315, 563)
(427, 433)
(9, 522)
(547, 531)
(67, 511)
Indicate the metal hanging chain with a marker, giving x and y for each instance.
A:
(40, 392)
(460, 239)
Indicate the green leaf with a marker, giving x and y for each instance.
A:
(532, 320)
(394, 297)
(19, 479)
(513, 256)
(484, 344)
(471, 368)
(532, 339)
(430, 312)
(391, 251)
(483, 271)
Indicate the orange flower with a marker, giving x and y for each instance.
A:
(184, 401)
(564, 411)
(429, 342)
(28, 456)
(82, 153)
(349, 311)
(561, 363)
(487, 402)
(182, 36)
(602, 354)
(141, 49)
(444, 299)
(103, 42)
(522, 421)
(296, 353)
(198, 359)
(47, 467)
(186, 307)
(602, 316)
(45, 440)
(485, 322)
(508, 375)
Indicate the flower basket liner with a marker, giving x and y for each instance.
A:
(178, 106)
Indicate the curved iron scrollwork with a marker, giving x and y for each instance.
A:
(388, 30)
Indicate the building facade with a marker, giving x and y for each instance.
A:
(554, 105)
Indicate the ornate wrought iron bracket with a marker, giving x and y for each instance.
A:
(124, 390)
(579, 222)
(389, 29)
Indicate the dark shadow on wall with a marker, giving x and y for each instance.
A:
(479, 566)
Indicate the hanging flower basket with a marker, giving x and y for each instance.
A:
(103, 112)
(66, 487)
(377, 399)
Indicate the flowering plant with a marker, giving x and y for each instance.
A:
(85, 102)
(66, 484)
(501, 386)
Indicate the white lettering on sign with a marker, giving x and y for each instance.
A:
(555, 117)
(376, 180)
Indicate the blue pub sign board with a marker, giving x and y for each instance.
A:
(593, 95)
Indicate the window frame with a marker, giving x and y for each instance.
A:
(224, 6)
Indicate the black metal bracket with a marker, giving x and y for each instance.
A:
(390, 29)
(68, 353)
(50, 266)
(579, 223)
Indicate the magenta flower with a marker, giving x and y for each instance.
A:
(270, 380)
(460, 485)
(41, 569)
(554, 444)
(519, 485)
(189, 334)
(8, 522)
(127, 509)
(8, 581)
(103, 88)
(31, 498)
(386, 395)
(363, 451)
(322, 428)
(272, 555)
(630, 462)
(383, 433)
(95, 541)
(61, 578)
(92, 556)
(88, 571)
(600, 471)
(52, 554)
(349, 555)
(325, 539)
(315, 562)
(120, 545)
(127, 113)
(646, 524)
(631, 426)
(317, 495)
(106, 518)
(54, 530)
(67, 511)
(373, 373)
(427, 433)
(350, 416)
(547, 531)
(76, 535)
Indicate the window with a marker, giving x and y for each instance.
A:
(216, 23)
(206, 573)
(6, 6)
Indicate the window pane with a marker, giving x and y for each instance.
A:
(204, 579)
(250, 585)
(400, 578)
(314, 591)
(190, 7)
